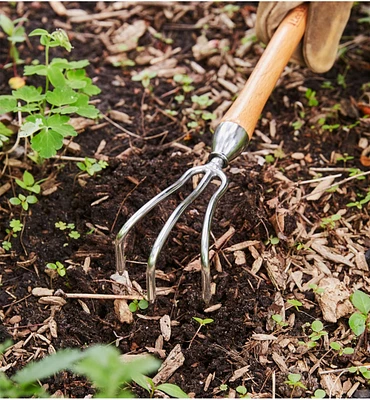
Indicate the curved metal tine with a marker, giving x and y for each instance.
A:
(139, 214)
(204, 247)
(157, 247)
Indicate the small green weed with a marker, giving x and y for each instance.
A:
(356, 171)
(92, 166)
(295, 303)
(360, 203)
(363, 370)
(242, 391)
(145, 76)
(279, 320)
(358, 321)
(272, 240)
(319, 394)
(311, 97)
(136, 305)
(186, 83)
(201, 322)
(28, 183)
(316, 289)
(340, 349)
(147, 383)
(294, 381)
(329, 222)
(23, 201)
(63, 226)
(57, 266)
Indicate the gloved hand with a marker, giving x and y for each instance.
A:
(325, 24)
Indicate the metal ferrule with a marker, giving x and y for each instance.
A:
(229, 140)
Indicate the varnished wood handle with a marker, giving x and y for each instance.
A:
(247, 108)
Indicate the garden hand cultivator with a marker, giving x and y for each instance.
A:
(230, 139)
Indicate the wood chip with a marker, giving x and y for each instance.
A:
(332, 385)
(53, 328)
(213, 308)
(239, 373)
(84, 306)
(263, 337)
(165, 325)
(334, 301)
(275, 270)
(224, 238)
(208, 381)
(58, 8)
(242, 246)
(327, 253)
(120, 116)
(280, 362)
(320, 189)
(174, 361)
(196, 265)
(52, 300)
(4, 188)
(240, 258)
(123, 312)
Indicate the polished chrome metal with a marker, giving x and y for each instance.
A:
(229, 141)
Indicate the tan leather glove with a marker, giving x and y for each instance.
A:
(325, 25)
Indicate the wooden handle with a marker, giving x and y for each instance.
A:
(247, 108)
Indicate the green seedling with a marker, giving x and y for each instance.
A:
(327, 85)
(294, 381)
(301, 246)
(163, 39)
(46, 110)
(63, 226)
(319, 394)
(102, 365)
(340, 349)
(23, 201)
(359, 321)
(201, 322)
(341, 80)
(173, 113)
(329, 222)
(186, 83)
(145, 77)
(345, 157)
(311, 97)
(147, 383)
(295, 303)
(297, 125)
(363, 370)
(272, 240)
(15, 34)
(124, 63)
(242, 391)
(330, 128)
(92, 166)
(28, 183)
(180, 98)
(269, 158)
(316, 289)
(230, 10)
(316, 334)
(224, 387)
(136, 305)
(15, 227)
(59, 267)
(279, 320)
(356, 171)
(360, 203)
(203, 101)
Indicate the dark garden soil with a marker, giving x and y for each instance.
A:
(147, 149)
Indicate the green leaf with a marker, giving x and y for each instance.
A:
(35, 70)
(319, 394)
(31, 199)
(28, 178)
(15, 201)
(31, 127)
(61, 96)
(361, 301)
(317, 326)
(48, 366)
(28, 94)
(6, 24)
(47, 142)
(84, 108)
(39, 32)
(294, 378)
(348, 350)
(78, 64)
(59, 123)
(56, 76)
(335, 346)
(172, 390)
(143, 304)
(76, 78)
(7, 104)
(357, 322)
(142, 381)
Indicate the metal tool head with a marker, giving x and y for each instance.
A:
(229, 141)
(209, 171)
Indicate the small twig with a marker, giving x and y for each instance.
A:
(69, 158)
(121, 127)
(319, 179)
(95, 296)
(338, 183)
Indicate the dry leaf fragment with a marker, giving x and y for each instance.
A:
(334, 301)
(165, 325)
(123, 312)
(320, 189)
(275, 270)
(120, 116)
(331, 384)
(127, 37)
(327, 253)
